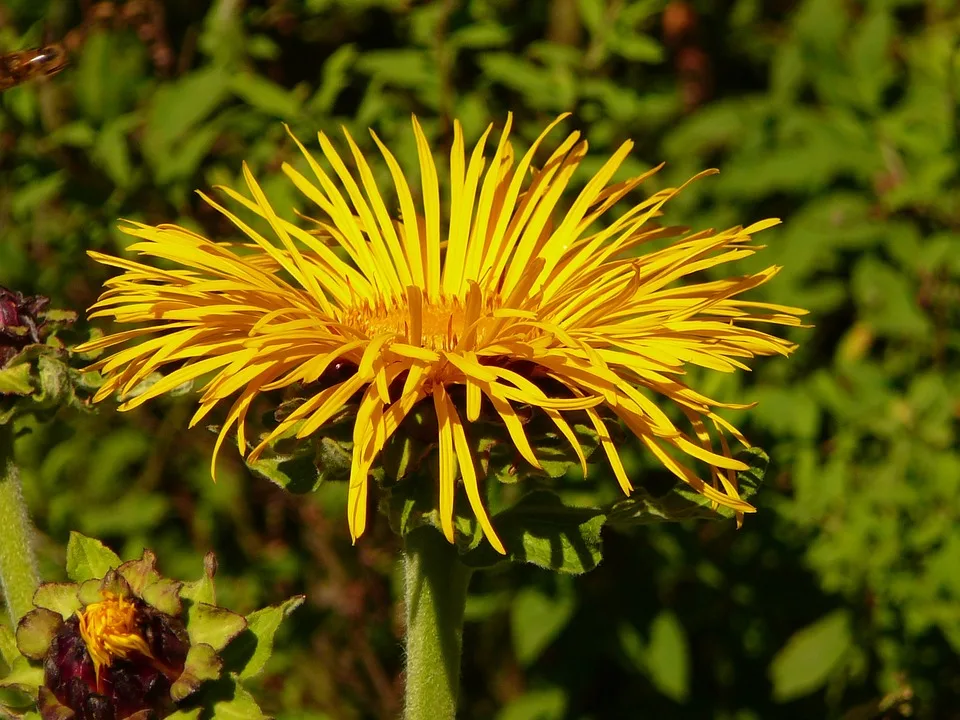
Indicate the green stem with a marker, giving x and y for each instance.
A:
(436, 595)
(18, 568)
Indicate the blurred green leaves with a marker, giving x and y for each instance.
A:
(810, 657)
(664, 658)
(537, 617)
(840, 118)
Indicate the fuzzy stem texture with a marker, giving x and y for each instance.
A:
(18, 567)
(436, 595)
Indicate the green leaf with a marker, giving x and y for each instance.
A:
(541, 530)
(335, 77)
(112, 152)
(35, 632)
(37, 193)
(638, 48)
(810, 657)
(265, 95)
(480, 35)
(88, 558)
(409, 67)
(544, 88)
(546, 704)
(178, 107)
(668, 657)
(249, 652)
(593, 13)
(213, 625)
(59, 597)
(888, 301)
(536, 619)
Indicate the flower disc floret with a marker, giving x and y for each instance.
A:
(110, 630)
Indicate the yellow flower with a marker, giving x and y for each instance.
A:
(498, 291)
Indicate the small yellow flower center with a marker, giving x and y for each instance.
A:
(442, 321)
(109, 630)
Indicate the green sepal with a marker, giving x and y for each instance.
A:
(212, 625)
(140, 573)
(306, 466)
(144, 580)
(541, 530)
(59, 597)
(18, 705)
(681, 502)
(248, 653)
(500, 459)
(50, 707)
(202, 664)
(88, 558)
(59, 317)
(202, 590)
(37, 380)
(16, 380)
(411, 502)
(23, 676)
(36, 631)
(408, 450)
(113, 583)
(193, 714)
(231, 701)
(90, 591)
(301, 466)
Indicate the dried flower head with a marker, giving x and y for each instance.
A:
(20, 321)
(122, 642)
(118, 656)
(496, 294)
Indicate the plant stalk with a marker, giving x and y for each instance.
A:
(18, 566)
(436, 596)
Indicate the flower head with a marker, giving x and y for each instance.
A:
(122, 642)
(119, 653)
(109, 629)
(497, 297)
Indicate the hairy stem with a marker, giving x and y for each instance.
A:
(436, 595)
(18, 567)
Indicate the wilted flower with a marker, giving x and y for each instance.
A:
(114, 654)
(497, 295)
(116, 657)
(133, 644)
(20, 321)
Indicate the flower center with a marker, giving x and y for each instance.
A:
(442, 321)
(109, 630)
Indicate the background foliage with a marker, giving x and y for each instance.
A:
(838, 115)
